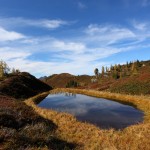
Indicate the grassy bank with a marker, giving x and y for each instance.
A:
(21, 128)
(90, 137)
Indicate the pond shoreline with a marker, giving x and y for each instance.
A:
(131, 100)
(101, 112)
(89, 136)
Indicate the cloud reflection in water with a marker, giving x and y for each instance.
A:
(101, 112)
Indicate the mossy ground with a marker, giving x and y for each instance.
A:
(22, 128)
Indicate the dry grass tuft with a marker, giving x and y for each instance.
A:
(90, 137)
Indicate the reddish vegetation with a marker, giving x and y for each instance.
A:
(138, 83)
(22, 128)
(6, 101)
(22, 85)
(61, 80)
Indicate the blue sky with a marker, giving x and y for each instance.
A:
(45, 37)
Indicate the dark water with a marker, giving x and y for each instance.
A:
(101, 112)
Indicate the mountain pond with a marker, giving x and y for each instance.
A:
(101, 112)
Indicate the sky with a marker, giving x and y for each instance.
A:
(46, 37)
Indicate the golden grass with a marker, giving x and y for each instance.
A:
(90, 137)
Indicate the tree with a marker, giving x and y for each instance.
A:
(15, 71)
(138, 63)
(107, 69)
(115, 67)
(127, 65)
(119, 68)
(134, 68)
(4, 69)
(103, 71)
(111, 68)
(1, 70)
(115, 72)
(120, 76)
(115, 75)
(96, 72)
(71, 83)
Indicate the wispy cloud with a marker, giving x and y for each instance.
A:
(8, 53)
(6, 35)
(108, 34)
(140, 26)
(81, 5)
(52, 24)
(41, 23)
(135, 3)
(68, 46)
(145, 3)
(78, 55)
(141, 30)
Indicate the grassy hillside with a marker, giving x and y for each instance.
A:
(131, 78)
(23, 125)
(20, 126)
(136, 84)
(61, 80)
(22, 85)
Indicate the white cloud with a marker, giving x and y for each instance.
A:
(7, 53)
(108, 34)
(42, 23)
(68, 46)
(81, 5)
(95, 29)
(140, 26)
(9, 35)
(77, 55)
(52, 24)
(34, 67)
(40, 68)
(141, 30)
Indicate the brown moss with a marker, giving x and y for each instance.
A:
(22, 85)
(22, 128)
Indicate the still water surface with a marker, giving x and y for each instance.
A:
(101, 112)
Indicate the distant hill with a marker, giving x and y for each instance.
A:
(129, 78)
(134, 84)
(61, 80)
(21, 127)
(22, 85)
(43, 78)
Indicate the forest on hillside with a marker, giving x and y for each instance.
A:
(118, 71)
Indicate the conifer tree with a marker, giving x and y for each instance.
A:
(127, 65)
(1, 70)
(115, 73)
(134, 68)
(103, 70)
(138, 63)
(107, 69)
(96, 72)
